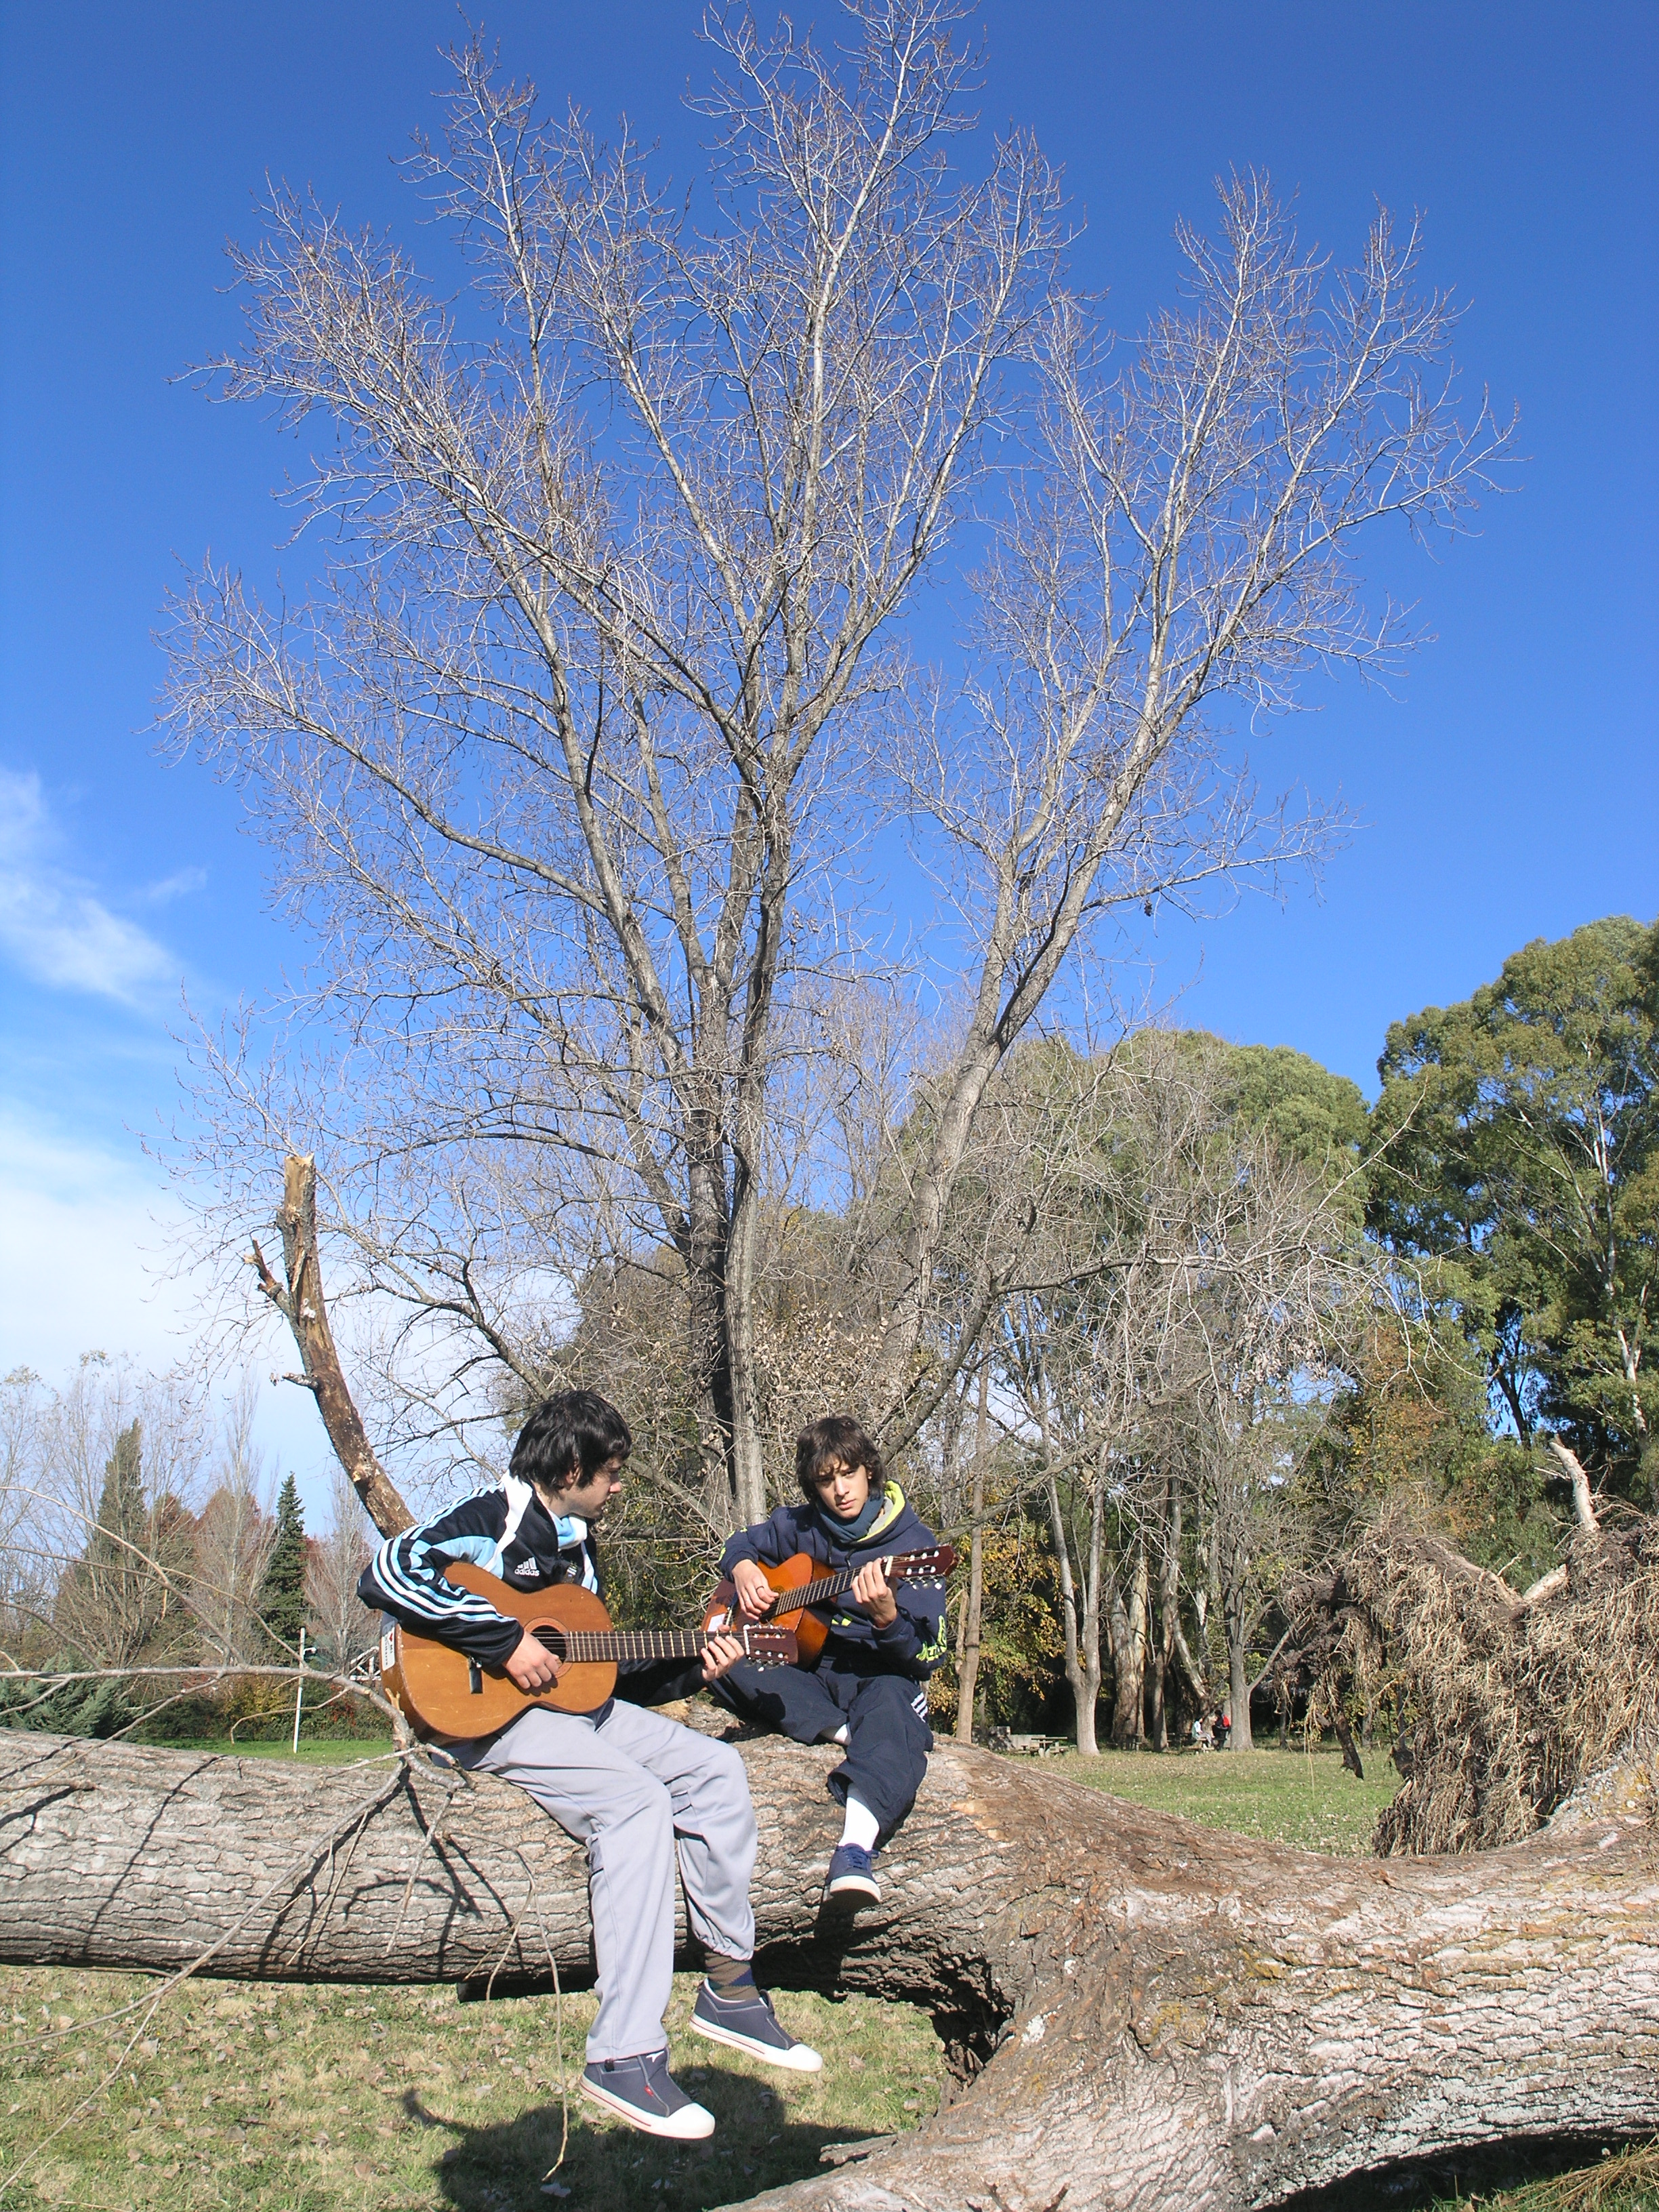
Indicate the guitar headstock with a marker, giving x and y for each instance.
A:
(927, 1566)
(767, 1645)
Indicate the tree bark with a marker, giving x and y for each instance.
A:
(974, 1601)
(1168, 1614)
(1583, 1507)
(1235, 1600)
(1139, 2014)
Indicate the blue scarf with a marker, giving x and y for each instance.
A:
(851, 1532)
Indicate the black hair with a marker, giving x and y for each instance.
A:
(570, 1437)
(834, 1437)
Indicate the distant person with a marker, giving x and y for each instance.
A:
(1224, 1729)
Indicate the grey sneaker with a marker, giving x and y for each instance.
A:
(642, 2092)
(746, 2021)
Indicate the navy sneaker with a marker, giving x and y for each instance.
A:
(852, 1874)
(745, 2020)
(642, 2092)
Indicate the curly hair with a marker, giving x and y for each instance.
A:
(835, 1438)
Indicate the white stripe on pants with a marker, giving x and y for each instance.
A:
(631, 1789)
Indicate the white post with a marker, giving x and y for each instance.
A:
(298, 1692)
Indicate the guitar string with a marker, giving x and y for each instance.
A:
(830, 1586)
(686, 1644)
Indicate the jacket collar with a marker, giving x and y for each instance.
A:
(892, 1506)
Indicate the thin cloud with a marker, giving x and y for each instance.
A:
(180, 885)
(52, 925)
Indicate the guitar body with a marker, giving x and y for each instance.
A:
(440, 1692)
(810, 1632)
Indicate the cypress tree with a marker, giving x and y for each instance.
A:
(120, 1507)
(282, 1593)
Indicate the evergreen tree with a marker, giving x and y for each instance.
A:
(1515, 1149)
(112, 1601)
(120, 1510)
(282, 1593)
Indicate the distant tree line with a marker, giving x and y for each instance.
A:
(140, 1537)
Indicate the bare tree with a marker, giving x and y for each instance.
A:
(233, 1536)
(564, 759)
(98, 1476)
(551, 754)
(1185, 537)
(345, 1629)
(1195, 1277)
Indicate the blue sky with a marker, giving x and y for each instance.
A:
(1508, 791)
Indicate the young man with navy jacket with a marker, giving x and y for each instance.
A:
(868, 1690)
(631, 1784)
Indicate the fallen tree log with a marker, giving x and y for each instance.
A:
(1139, 2013)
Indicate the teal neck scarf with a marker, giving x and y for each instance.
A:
(850, 1532)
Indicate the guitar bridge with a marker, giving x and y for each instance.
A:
(475, 1678)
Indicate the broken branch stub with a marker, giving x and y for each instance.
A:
(301, 1304)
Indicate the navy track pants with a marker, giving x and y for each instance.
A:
(888, 1738)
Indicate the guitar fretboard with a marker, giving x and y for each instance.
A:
(829, 1586)
(599, 1646)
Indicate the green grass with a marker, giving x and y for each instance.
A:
(1283, 1797)
(1623, 2183)
(301, 2099)
(280, 2098)
(314, 1750)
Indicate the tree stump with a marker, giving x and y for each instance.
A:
(1139, 2013)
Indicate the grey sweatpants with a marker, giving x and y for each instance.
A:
(631, 1788)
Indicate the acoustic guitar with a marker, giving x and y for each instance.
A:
(441, 1691)
(801, 1581)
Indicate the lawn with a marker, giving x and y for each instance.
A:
(304, 2098)
(314, 1750)
(1293, 1796)
(278, 2099)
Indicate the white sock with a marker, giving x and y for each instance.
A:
(861, 1826)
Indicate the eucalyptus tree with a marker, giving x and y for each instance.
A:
(603, 679)
(1515, 1162)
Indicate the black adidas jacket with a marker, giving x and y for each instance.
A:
(510, 1533)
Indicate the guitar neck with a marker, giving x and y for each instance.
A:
(605, 1646)
(829, 1586)
(820, 1592)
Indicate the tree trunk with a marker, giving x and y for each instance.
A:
(302, 1306)
(1082, 1703)
(1088, 1626)
(1128, 1634)
(1139, 2014)
(1238, 1701)
(709, 1349)
(1168, 1600)
(1234, 1600)
(974, 1602)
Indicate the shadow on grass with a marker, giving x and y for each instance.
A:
(1474, 2174)
(608, 2167)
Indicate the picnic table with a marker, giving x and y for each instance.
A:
(1027, 1746)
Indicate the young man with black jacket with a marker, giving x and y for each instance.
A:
(868, 1690)
(630, 1783)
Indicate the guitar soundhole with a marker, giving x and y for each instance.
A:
(549, 1634)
